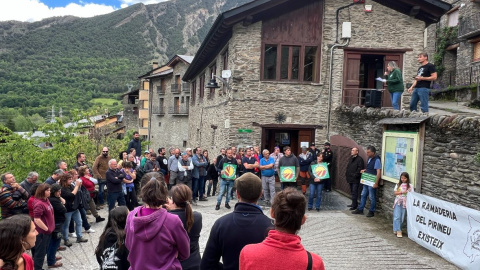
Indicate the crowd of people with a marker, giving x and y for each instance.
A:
(159, 229)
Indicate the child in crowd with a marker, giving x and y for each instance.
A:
(129, 186)
(111, 252)
(400, 204)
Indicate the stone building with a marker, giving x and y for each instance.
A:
(164, 101)
(281, 90)
(130, 110)
(461, 60)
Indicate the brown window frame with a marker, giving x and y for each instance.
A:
(194, 91)
(476, 51)
(201, 91)
(301, 62)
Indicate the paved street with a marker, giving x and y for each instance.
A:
(343, 240)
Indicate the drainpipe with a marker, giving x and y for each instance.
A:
(330, 84)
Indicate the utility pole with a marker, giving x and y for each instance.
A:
(60, 113)
(52, 119)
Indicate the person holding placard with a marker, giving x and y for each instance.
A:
(318, 175)
(289, 168)
(400, 204)
(374, 169)
(227, 177)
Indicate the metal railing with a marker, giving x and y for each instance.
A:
(186, 87)
(181, 110)
(362, 97)
(160, 90)
(158, 110)
(468, 26)
(175, 88)
(460, 77)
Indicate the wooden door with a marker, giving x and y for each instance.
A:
(176, 105)
(351, 78)
(398, 58)
(304, 136)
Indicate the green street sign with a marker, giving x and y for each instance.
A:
(245, 131)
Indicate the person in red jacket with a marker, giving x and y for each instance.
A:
(282, 249)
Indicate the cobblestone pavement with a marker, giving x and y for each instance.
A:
(343, 240)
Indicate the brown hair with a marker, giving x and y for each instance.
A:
(13, 231)
(154, 190)
(289, 208)
(82, 170)
(424, 54)
(64, 179)
(127, 164)
(40, 193)
(181, 195)
(285, 148)
(249, 187)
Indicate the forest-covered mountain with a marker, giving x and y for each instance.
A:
(67, 61)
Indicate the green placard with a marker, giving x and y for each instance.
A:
(320, 170)
(229, 171)
(287, 174)
(245, 131)
(368, 179)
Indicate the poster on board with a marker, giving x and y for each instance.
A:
(400, 154)
(449, 230)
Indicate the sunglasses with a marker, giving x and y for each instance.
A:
(105, 151)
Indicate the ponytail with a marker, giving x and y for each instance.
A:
(189, 215)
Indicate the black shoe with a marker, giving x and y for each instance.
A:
(99, 219)
(309, 209)
(329, 190)
(217, 207)
(318, 209)
(227, 206)
(358, 212)
(350, 205)
(81, 240)
(67, 243)
(352, 208)
(203, 199)
(370, 214)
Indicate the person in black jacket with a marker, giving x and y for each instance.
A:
(136, 144)
(179, 204)
(111, 252)
(114, 185)
(245, 225)
(59, 211)
(68, 193)
(212, 176)
(353, 174)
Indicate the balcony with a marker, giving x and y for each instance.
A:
(182, 110)
(158, 110)
(175, 88)
(160, 90)
(469, 26)
(186, 87)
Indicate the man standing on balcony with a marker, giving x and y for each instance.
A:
(136, 144)
(420, 88)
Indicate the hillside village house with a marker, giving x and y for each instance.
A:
(160, 108)
(278, 53)
(462, 54)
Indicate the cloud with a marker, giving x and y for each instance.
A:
(35, 10)
(146, 2)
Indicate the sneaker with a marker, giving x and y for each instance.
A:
(81, 240)
(227, 206)
(99, 219)
(67, 243)
(203, 199)
(358, 212)
(90, 230)
(352, 208)
(350, 205)
(370, 214)
(318, 209)
(399, 234)
(73, 234)
(217, 207)
(56, 265)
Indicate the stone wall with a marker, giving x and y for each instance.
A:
(130, 119)
(450, 171)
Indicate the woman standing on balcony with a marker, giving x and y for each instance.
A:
(394, 81)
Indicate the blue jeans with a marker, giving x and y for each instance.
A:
(101, 189)
(83, 215)
(78, 224)
(113, 197)
(422, 95)
(396, 100)
(225, 185)
(52, 251)
(318, 188)
(198, 185)
(371, 193)
(398, 217)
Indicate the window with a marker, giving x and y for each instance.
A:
(202, 86)
(194, 91)
(476, 51)
(161, 104)
(146, 85)
(145, 123)
(297, 63)
(453, 17)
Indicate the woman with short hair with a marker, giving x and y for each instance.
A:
(394, 81)
(68, 193)
(282, 249)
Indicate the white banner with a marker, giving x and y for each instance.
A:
(452, 231)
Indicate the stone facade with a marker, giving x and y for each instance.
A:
(254, 100)
(130, 110)
(451, 143)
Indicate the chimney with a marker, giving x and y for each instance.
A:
(154, 65)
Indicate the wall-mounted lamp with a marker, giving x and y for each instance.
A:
(368, 8)
(226, 74)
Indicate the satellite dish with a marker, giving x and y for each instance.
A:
(226, 74)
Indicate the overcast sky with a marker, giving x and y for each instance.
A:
(36, 10)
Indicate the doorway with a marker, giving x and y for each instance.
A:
(281, 137)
